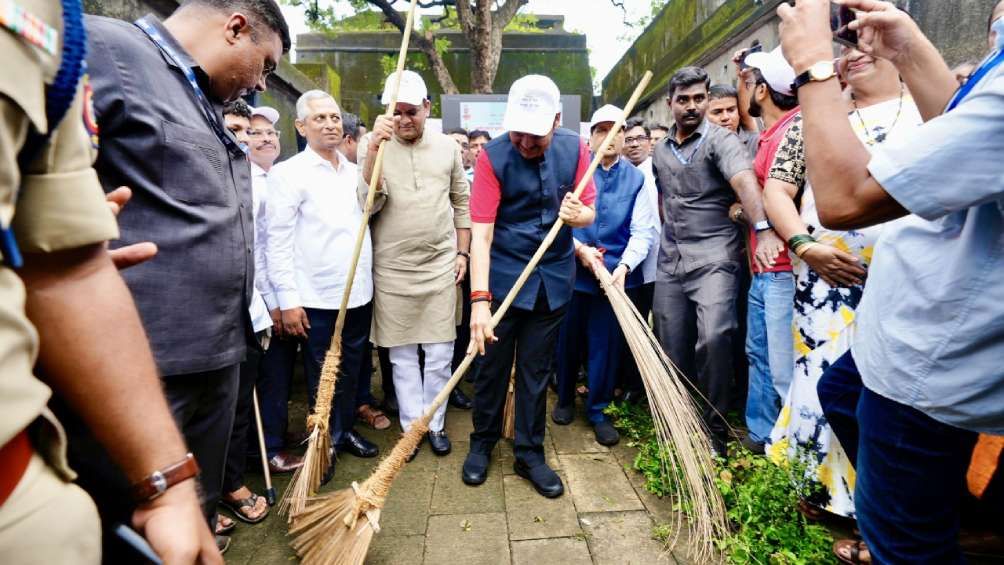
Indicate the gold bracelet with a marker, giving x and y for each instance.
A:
(801, 249)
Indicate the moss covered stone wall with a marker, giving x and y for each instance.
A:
(707, 32)
(357, 58)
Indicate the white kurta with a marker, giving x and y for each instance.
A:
(423, 199)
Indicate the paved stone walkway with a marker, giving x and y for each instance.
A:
(431, 517)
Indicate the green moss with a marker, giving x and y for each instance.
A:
(676, 38)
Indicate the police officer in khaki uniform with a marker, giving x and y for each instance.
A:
(84, 331)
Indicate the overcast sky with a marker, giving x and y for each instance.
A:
(602, 22)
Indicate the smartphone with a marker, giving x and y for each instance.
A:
(755, 49)
(840, 18)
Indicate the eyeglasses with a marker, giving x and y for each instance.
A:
(264, 133)
(636, 139)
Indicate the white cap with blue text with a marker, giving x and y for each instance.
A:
(775, 70)
(413, 90)
(607, 113)
(534, 101)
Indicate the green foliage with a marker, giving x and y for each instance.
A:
(662, 533)
(761, 498)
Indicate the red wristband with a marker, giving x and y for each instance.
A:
(481, 295)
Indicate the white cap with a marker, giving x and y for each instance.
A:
(413, 90)
(267, 112)
(775, 70)
(533, 103)
(607, 113)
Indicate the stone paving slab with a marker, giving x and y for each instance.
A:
(408, 502)
(452, 496)
(467, 539)
(598, 484)
(563, 551)
(395, 550)
(531, 516)
(623, 538)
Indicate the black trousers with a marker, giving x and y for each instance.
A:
(628, 377)
(530, 338)
(355, 336)
(203, 406)
(244, 431)
(695, 319)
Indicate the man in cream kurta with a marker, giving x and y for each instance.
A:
(421, 238)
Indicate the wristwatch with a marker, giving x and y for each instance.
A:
(156, 483)
(762, 225)
(819, 72)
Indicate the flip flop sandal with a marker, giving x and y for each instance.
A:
(222, 530)
(250, 502)
(854, 550)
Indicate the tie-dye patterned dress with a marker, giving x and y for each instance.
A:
(823, 322)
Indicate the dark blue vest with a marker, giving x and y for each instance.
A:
(531, 195)
(616, 191)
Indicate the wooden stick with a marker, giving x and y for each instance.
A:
(269, 490)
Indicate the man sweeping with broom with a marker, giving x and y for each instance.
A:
(421, 237)
(523, 183)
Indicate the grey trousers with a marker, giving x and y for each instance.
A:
(696, 322)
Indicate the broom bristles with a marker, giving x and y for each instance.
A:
(685, 446)
(337, 528)
(509, 412)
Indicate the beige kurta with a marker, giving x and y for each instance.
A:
(422, 201)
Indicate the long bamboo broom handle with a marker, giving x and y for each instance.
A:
(548, 240)
(375, 177)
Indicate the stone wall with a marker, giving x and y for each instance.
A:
(283, 87)
(708, 32)
(356, 56)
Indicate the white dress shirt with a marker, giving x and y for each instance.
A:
(650, 263)
(313, 217)
(259, 196)
(260, 318)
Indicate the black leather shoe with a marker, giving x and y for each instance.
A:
(440, 443)
(563, 415)
(357, 445)
(542, 477)
(460, 400)
(475, 471)
(605, 433)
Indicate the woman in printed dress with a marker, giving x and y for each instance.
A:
(829, 274)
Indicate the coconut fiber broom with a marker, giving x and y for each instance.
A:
(338, 528)
(317, 460)
(684, 444)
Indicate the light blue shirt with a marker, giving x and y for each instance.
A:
(931, 323)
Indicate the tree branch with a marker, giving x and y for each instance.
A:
(506, 12)
(465, 17)
(425, 43)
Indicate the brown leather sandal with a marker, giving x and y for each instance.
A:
(853, 552)
(374, 417)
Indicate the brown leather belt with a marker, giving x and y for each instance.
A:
(15, 454)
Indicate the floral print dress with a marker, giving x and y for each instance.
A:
(823, 322)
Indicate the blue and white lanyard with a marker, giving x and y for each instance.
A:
(989, 64)
(207, 108)
(697, 147)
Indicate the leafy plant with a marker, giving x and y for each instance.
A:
(760, 497)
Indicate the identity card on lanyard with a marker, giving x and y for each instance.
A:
(697, 146)
(207, 107)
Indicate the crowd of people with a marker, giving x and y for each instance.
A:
(817, 248)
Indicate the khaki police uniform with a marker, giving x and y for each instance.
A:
(56, 204)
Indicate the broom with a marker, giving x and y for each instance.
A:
(317, 459)
(509, 412)
(684, 444)
(338, 528)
